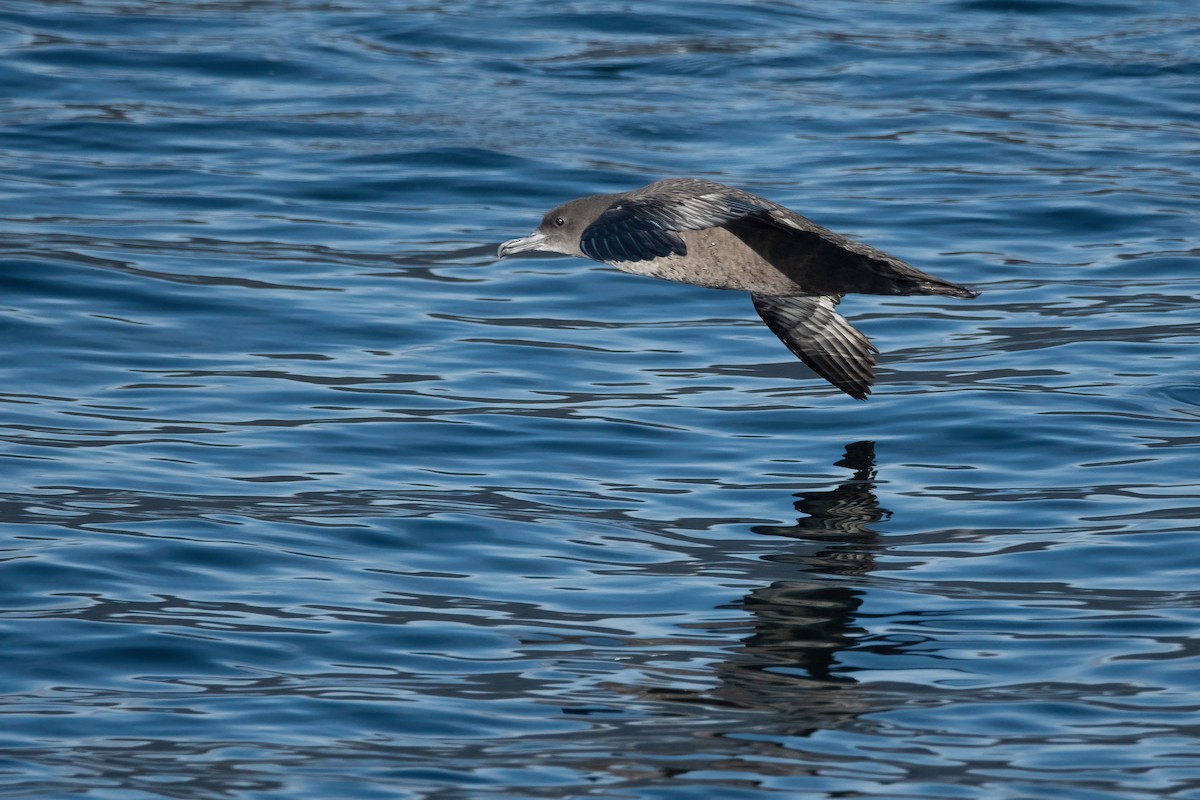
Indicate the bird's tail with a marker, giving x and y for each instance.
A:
(930, 285)
(901, 278)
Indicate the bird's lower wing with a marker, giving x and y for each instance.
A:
(822, 339)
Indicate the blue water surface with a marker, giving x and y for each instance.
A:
(308, 496)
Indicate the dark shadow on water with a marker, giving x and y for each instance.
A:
(806, 621)
(844, 513)
(787, 660)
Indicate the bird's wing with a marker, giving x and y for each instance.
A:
(822, 339)
(644, 227)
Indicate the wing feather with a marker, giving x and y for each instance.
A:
(822, 339)
(645, 225)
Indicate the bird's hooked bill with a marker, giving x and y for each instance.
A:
(531, 242)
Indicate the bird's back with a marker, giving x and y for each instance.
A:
(770, 249)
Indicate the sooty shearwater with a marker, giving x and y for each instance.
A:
(707, 234)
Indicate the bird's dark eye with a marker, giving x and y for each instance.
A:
(559, 221)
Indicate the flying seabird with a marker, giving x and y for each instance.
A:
(707, 234)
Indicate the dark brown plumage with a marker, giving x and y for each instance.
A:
(707, 234)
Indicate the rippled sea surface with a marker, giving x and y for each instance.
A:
(306, 495)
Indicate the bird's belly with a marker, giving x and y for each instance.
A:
(719, 260)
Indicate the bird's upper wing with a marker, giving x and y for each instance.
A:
(822, 339)
(643, 226)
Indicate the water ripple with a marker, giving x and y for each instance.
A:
(310, 496)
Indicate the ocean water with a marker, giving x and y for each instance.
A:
(306, 495)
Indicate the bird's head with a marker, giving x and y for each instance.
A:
(561, 228)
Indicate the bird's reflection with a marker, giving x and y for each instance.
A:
(843, 514)
(788, 659)
(801, 622)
